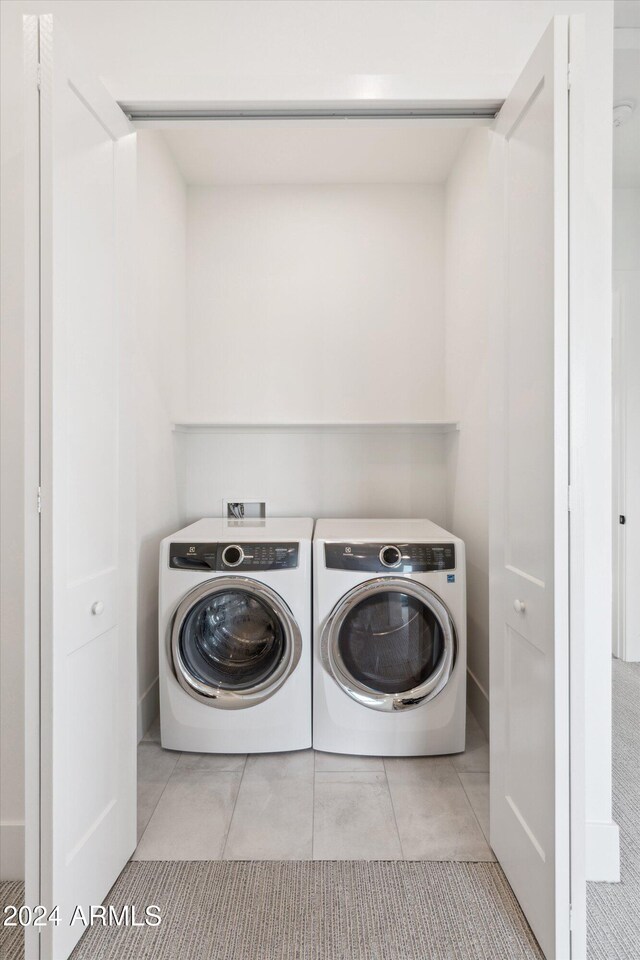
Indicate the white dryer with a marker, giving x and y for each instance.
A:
(235, 636)
(389, 638)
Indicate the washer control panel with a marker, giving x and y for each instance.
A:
(242, 557)
(257, 556)
(390, 557)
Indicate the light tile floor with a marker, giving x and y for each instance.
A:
(308, 805)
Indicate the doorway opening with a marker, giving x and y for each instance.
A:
(374, 410)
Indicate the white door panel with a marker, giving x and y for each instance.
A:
(88, 617)
(88, 806)
(529, 519)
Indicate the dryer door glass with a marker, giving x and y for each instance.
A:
(232, 640)
(390, 642)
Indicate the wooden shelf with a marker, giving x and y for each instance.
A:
(355, 426)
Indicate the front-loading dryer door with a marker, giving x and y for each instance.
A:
(234, 642)
(390, 644)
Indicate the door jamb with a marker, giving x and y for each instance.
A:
(576, 506)
(32, 468)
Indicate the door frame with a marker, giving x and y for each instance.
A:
(578, 374)
(578, 364)
(32, 559)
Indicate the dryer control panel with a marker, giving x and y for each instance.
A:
(390, 557)
(240, 557)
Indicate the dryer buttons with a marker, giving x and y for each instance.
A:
(383, 557)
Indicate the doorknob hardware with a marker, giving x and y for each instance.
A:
(97, 608)
(622, 518)
(519, 606)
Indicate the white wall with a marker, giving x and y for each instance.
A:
(315, 303)
(161, 364)
(591, 473)
(467, 392)
(626, 283)
(317, 473)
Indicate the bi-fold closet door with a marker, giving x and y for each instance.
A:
(529, 505)
(81, 722)
(85, 734)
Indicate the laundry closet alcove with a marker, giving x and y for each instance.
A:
(299, 270)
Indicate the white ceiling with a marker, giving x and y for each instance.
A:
(626, 139)
(316, 151)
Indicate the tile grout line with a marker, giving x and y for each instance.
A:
(235, 803)
(470, 805)
(157, 803)
(393, 809)
(473, 809)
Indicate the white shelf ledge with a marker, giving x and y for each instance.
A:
(353, 426)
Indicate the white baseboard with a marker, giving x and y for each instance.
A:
(603, 851)
(148, 708)
(478, 701)
(11, 851)
(629, 656)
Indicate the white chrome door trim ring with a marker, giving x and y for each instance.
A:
(364, 695)
(218, 696)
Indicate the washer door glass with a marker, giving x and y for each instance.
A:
(232, 640)
(391, 642)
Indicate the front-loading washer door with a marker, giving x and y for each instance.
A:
(390, 644)
(234, 642)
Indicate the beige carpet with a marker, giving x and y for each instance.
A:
(613, 909)
(317, 911)
(11, 938)
(322, 910)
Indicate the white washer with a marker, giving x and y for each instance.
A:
(235, 636)
(389, 638)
